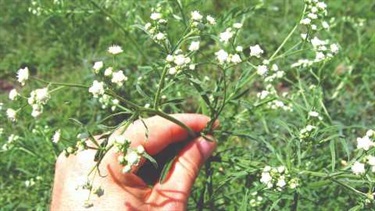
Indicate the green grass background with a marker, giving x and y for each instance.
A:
(62, 45)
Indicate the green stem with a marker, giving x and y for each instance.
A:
(61, 84)
(161, 86)
(289, 35)
(153, 111)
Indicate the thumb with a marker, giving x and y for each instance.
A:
(186, 167)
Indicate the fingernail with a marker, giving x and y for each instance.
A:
(206, 147)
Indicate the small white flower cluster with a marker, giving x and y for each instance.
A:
(23, 75)
(228, 34)
(114, 50)
(324, 50)
(358, 168)
(277, 177)
(97, 89)
(56, 136)
(129, 158)
(365, 143)
(356, 22)
(224, 58)
(11, 114)
(80, 146)
(153, 27)
(107, 101)
(313, 117)
(278, 104)
(36, 8)
(38, 98)
(256, 51)
(256, 200)
(306, 132)
(10, 142)
(198, 21)
(31, 182)
(178, 62)
(13, 94)
(315, 10)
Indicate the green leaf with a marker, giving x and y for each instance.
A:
(165, 171)
(151, 159)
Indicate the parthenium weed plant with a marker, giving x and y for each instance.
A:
(279, 146)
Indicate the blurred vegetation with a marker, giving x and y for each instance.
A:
(64, 40)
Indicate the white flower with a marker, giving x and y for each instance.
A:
(304, 36)
(358, 168)
(169, 58)
(126, 169)
(371, 160)
(23, 75)
(321, 5)
(364, 143)
(56, 136)
(293, 183)
(262, 69)
(37, 110)
(160, 36)
(316, 42)
(120, 139)
(237, 25)
(313, 114)
(263, 94)
(235, 59)
(181, 60)
(314, 9)
(195, 15)
(155, 16)
(325, 25)
(97, 89)
(309, 128)
(334, 48)
(132, 158)
(42, 95)
(97, 66)
(172, 70)
(266, 178)
(281, 183)
(13, 94)
(256, 51)
(225, 36)
(305, 21)
(192, 67)
(115, 49)
(239, 48)
(267, 169)
(211, 20)
(222, 56)
(140, 149)
(11, 114)
(119, 78)
(312, 16)
(281, 169)
(108, 71)
(194, 46)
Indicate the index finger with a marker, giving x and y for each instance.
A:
(162, 132)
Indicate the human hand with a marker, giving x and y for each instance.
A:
(128, 191)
